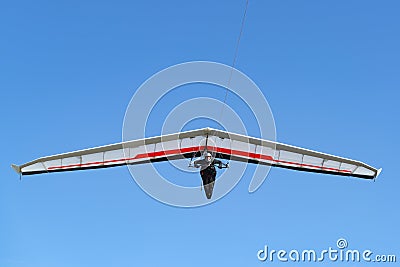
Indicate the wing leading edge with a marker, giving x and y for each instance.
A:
(192, 143)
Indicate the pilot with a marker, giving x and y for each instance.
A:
(208, 171)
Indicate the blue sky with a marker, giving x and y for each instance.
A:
(329, 70)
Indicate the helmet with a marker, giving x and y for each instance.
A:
(208, 156)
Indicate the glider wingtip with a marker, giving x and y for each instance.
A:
(16, 168)
(378, 172)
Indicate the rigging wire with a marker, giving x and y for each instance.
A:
(234, 58)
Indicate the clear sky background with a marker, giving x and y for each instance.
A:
(329, 69)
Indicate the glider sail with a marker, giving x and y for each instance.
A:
(191, 144)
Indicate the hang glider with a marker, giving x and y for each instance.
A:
(190, 144)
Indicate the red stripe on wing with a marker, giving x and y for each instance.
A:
(170, 152)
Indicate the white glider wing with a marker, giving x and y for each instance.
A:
(190, 144)
(161, 148)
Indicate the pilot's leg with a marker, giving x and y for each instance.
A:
(203, 177)
(208, 177)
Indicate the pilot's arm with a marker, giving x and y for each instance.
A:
(198, 163)
(218, 163)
